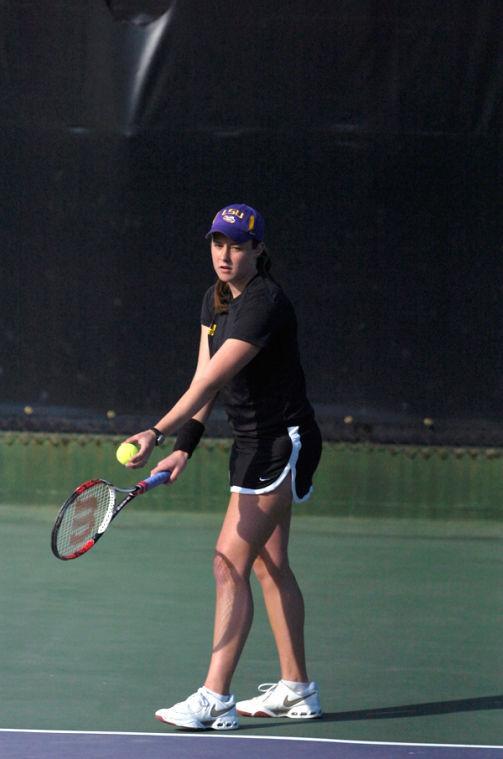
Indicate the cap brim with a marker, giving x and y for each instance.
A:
(237, 235)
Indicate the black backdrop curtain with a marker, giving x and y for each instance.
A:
(368, 133)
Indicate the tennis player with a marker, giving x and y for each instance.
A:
(248, 354)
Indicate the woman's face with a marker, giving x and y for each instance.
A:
(234, 263)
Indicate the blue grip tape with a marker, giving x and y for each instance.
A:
(156, 479)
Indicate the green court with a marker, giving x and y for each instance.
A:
(403, 614)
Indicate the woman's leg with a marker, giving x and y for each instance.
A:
(283, 601)
(249, 523)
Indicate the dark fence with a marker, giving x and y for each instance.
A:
(368, 133)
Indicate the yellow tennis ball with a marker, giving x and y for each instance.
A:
(125, 452)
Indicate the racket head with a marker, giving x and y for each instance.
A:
(82, 519)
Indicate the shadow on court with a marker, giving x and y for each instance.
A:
(395, 712)
(419, 710)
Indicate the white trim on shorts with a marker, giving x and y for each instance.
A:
(291, 466)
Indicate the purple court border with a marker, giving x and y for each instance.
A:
(66, 744)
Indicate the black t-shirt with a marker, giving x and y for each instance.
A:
(268, 394)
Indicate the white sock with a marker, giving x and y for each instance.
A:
(298, 688)
(218, 696)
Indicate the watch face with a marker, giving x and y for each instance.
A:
(159, 437)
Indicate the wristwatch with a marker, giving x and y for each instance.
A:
(159, 437)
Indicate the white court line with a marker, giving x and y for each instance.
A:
(247, 737)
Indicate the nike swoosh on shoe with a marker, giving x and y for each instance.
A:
(219, 712)
(287, 703)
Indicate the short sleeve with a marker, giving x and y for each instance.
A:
(258, 319)
(207, 312)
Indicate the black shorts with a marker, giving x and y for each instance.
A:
(260, 465)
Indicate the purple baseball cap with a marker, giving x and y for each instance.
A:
(239, 222)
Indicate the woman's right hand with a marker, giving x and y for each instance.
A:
(145, 441)
(175, 463)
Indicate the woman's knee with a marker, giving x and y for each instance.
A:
(226, 571)
(267, 570)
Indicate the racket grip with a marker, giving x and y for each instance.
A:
(152, 482)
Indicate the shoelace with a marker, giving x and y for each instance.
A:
(197, 699)
(266, 688)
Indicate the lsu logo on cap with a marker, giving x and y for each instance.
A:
(240, 221)
(231, 215)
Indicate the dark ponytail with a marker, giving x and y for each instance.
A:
(222, 297)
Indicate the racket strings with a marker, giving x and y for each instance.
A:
(88, 514)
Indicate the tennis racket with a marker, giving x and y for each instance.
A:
(86, 514)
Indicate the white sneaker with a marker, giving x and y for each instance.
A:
(201, 711)
(278, 700)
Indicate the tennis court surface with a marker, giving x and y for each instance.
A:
(403, 634)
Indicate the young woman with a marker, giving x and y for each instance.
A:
(248, 353)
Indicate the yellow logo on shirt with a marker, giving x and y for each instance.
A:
(212, 329)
